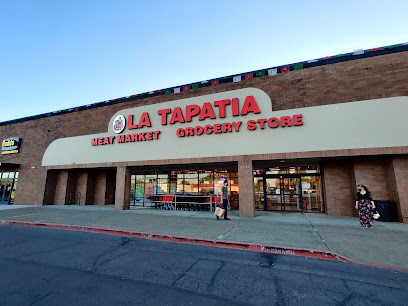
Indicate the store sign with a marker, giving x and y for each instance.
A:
(208, 111)
(234, 123)
(10, 145)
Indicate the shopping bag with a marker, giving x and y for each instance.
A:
(219, 212)
(222, 212)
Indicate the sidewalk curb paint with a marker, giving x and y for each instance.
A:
(270, 249)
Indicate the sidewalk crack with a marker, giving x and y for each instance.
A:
(234, 227)
(317, 232)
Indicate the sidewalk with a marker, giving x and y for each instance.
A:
(385, 244)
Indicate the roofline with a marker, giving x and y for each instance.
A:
(328, 60)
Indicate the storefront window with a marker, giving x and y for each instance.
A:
(8, 184)
(312, 193)
(190, 181)
(150, 184)
(180, 182)
(163, 183)
(206, 179)
(259, 193)
(289, 170)
(193, 182)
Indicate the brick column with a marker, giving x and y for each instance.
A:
(110, 187)
(246, 187)
(47, 192)
(61, 187)
(397, 169)
(339, 188)
(100, 187)
(82, 186)
(122, 193)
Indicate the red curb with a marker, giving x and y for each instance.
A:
(270, 249)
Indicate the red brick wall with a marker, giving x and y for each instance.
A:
(371, 173)
(100, 187)
(50, 187)
(338, 188)
(400, 167)
(61, 187)
(82, 186)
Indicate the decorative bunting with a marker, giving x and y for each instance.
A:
(273, 71)
(358, 52)
(285, 69)
(235, 79)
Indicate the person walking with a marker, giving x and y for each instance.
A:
(365, 206)
(224, 196)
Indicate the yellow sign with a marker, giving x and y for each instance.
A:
(9, 152)
(8, 143)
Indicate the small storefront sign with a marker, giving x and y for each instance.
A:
(10, 145)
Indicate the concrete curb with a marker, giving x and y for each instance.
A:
(270, 249)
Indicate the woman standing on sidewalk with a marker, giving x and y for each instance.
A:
(365, 206)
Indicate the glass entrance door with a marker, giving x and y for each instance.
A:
(288, 189)
(282, 194)
(273, 194)
(291, 195)
(6, 188)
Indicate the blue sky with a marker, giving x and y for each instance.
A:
(59, 54)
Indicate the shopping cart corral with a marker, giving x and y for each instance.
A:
(184, 202)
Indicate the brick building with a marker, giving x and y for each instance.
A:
(297, 137)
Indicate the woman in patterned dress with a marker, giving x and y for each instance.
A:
(365, 206)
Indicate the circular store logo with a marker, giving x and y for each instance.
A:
(119, 124)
